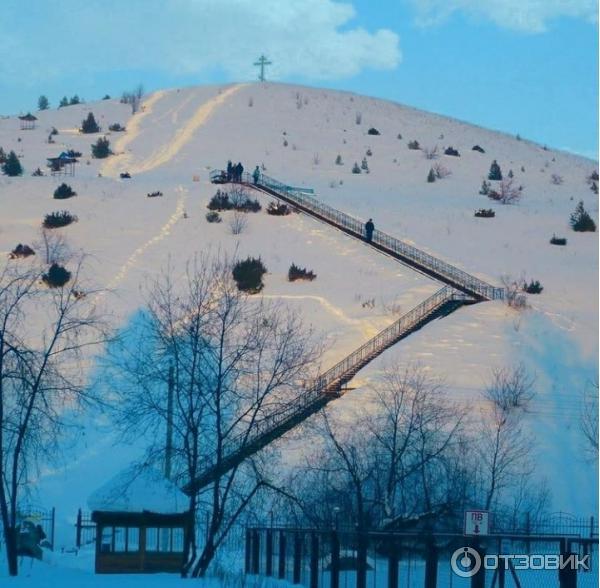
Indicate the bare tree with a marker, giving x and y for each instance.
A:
(238, 223)
(506, 192)
(55, 247)
(235, 363)
(589, 419)
(42, 379)
(431, 152)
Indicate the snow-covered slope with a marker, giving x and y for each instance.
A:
(296, 133)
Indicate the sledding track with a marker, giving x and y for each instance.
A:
(460, 288)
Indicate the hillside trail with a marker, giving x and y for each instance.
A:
(164, 153)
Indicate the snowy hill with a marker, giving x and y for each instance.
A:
(296, 134)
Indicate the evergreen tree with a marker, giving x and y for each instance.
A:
(485, 188)
(495, 172)
(356, 168)
(43, 103)
(581, 221)
(12, 166)
(89, 125)
(101, 148)
(64, 191)
(364, 164)
(431, 176)
(2, 156)
(338, 160)
(64, 101)
(75, 100)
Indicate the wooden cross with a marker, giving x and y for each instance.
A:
(262, 61)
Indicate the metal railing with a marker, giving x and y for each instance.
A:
(356, 227)
(323, 388)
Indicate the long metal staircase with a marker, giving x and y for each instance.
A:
(408, 254)
(328, 386)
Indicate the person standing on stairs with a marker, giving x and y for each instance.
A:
(256, 174)
(369, 229)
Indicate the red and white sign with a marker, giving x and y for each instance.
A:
(477, 522)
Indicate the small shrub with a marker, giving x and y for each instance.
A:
(157, 194)
(431, 176)
(399, 136)
(451, 151)
(57, 276)
(38, 173)
(478, 148)
(485, 213)
(299, 273)
(238, 223)
(75, 100)
(21, 251)
(248, 275)
(593, 177)
(12, 166)
(485, 188)
(431, 152)
(373, 131)
(278, 209)
(285, 142)
(213, 217)
(414, 145)
(54, 132)
(338, 160)
(510, 173)
(558, 240)
(506, 193)
(64, 101)
(64, 191)
(581, 221)
(356, 168)
(441, 172)
(116, 127)
(534, 287)
(101, 148)
(495, 173)
(106, 97)
(55, 220)
(369, 152)
(89, 124)
(125, 175)
(556, 179)
(358, 118)
(364, 165)
(220, 201)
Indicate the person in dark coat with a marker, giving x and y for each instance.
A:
(256, 174)
(240, 171)
(369, 228)
(229, 171)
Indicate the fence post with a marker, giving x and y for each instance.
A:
(501, 572)
(282, 556)
(78, 531)
(361, 564)
(255, 552)
(431, 564)
(53, 524)
(269, 548)
(297, 557)
(314, 560)
(567, 576)
(393, 560)
(247, 551)
(335, 560)
(478, 579)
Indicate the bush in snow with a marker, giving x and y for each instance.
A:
(485, 188)
(358, 118)
(441, 172)
(485, 213)
(89, 124)
(116, 128)
(558, 240)
(364, 165)
(356, 168)
(495, 172)
(12, 166)
(213, 217)
(373, 131)
(430, 152)
(414, 145)
(57, 276)
(101, 148)
(238, 223)
(55, 220)
(534, 287)
(431, 176)
(338, 160)
(506, 192)
(451, 151)
(299, 273)
(248, 275)
(64, 191)
(369, 152)
(21, 251)
(581, 221)
(478, 148)
(276, 209)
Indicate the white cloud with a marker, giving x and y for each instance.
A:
(312, 38)
(530, 16)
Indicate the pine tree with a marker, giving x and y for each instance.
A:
(431, 176)
(364, 164)
(43, 103)
(64, 101)
(338, 160)
(75, 100)
(12, 166)
(89, 125)
(581, 221)
(101, 148)
(495, 172)
(356, 168)
(485, 188)
(2, 156)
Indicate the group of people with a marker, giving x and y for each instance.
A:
(235, 172)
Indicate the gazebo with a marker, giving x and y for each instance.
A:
(142, 523)
(64, 164)
(27, 122)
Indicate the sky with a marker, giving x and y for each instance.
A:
(527, 67)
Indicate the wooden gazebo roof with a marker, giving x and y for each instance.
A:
(28, 117)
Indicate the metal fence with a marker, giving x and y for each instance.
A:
(44, 517)
(386, 242)
(349, 559)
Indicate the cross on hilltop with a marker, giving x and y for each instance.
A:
(262, 61)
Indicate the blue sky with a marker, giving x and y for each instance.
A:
(521, 66)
